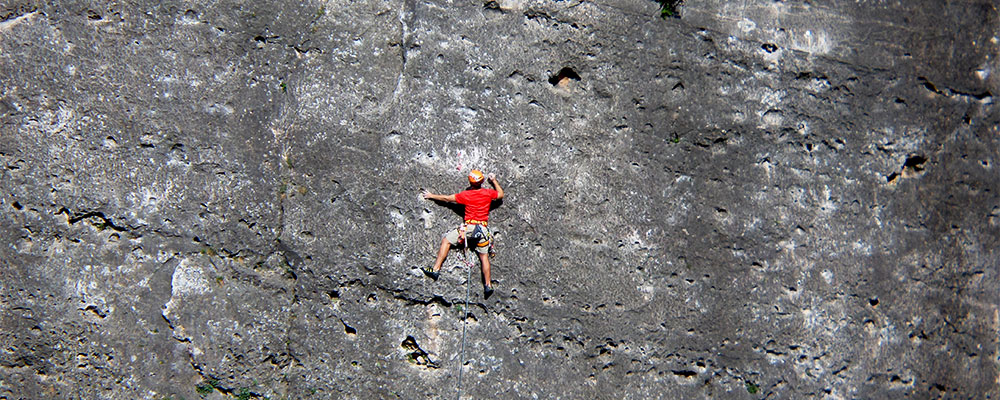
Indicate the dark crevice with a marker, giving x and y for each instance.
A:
(929, 85)
(434, 300)
(173, 331)
(492, 5)
(913, 167)
(96, 311)
(266, 38)
(684, 373)
(279, 360)
(949, 92)
(94, 218)
(350, 330)
(536, 14)
(915, 162)
(417, 355)
(18, 11)
(15, 165)
(563, 76)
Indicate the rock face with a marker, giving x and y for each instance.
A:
(759, 199)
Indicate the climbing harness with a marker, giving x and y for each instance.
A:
(481, 233)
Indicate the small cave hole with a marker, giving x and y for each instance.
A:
(873, 301)
(928, 85)
(416, 355)
(349, 329)
(916, 163)
(769, 47)
(96, 311)
(17, 206)
(563, 77)
(892, 177)
(685, 374)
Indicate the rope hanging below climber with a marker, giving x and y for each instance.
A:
(473, 231)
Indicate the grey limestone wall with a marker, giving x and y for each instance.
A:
(759, 199)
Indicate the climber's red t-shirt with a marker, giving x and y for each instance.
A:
(477, 203)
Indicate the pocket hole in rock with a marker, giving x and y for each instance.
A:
(563, 77)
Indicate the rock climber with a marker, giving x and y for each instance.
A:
(474, 232)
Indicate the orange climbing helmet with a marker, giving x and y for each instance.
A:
(476, 176)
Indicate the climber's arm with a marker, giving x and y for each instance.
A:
(440, 197)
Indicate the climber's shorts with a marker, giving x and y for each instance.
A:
(479, 242)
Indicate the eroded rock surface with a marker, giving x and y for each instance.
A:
(761, 199)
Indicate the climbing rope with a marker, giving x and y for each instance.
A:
(465, 311)
(488, 237)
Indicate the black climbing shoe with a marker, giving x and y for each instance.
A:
(487, 292)
(430, 273)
